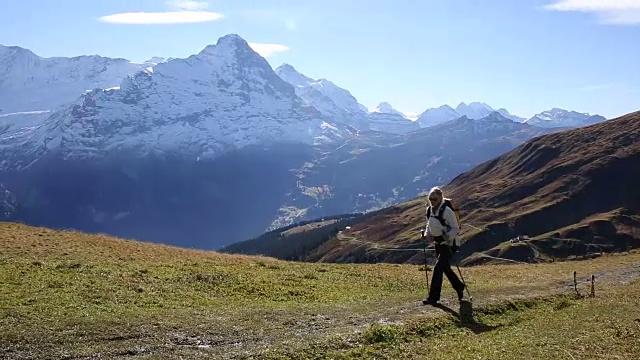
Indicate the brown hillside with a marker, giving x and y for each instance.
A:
(573, 187)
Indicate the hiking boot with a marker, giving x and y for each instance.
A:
(460, 292)
(430, 302)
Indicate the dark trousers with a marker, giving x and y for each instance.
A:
(443, 265)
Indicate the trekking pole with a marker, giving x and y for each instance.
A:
(461, 277)
(426, 260)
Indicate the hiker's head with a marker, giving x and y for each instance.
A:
(435, 196)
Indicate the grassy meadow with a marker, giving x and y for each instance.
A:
(71, 295)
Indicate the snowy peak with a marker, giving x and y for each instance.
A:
(474, 110)
(556, 113)
(228, 43)
(15, 52)
(563, 118)
(387, 119)
(289, 74)
(435, 116)
(232, 49)
(504, 112)
(334, 102)
(156, 60)
(386, 108)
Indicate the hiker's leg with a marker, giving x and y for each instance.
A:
(446, 264)
(436, 279)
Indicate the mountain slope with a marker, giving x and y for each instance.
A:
(572, 193)
(31, 83)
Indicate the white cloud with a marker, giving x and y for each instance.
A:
(266, 50)
(185, 11)
(620, 12)
(189, 5)
(170, 17)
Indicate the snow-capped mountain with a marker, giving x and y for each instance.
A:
(435, 116)
(225, 97)
(29, 82)
(563, 118)
(474, 110)
(199, 148)
(336, 103)
(386, 108)
(156, 60)
(387, 119)
(504, 112)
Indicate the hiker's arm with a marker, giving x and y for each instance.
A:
(450, 218)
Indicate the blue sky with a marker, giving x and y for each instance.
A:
(526, 56)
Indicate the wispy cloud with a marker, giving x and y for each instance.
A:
(619, 12)
(188, 11)
(189, 5)
(267, 50)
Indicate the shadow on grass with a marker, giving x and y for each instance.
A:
(465, 318)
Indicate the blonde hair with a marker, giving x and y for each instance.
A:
(436, 190)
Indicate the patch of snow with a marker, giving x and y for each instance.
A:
(37, 112)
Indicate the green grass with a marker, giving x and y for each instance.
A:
(556, 327)
(71, 294)
(560, 328)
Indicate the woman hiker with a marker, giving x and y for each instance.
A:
(442, 228)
